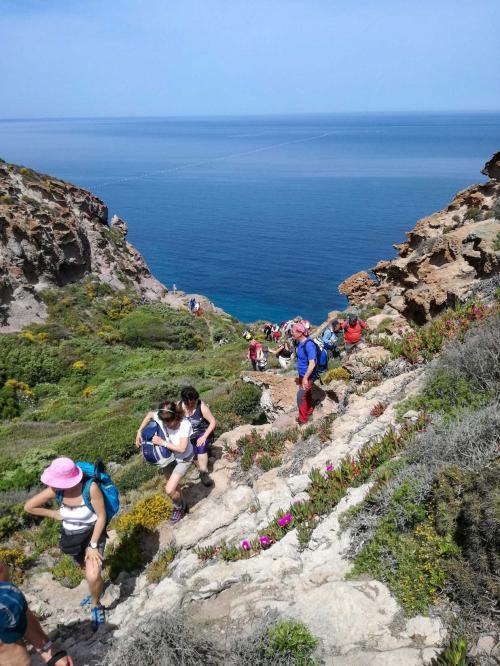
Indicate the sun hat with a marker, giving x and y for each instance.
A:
(299, 328)
(62, 473)
(13, 613)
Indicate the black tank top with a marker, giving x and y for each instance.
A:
(198, 422)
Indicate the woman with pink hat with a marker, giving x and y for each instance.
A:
(83, 529)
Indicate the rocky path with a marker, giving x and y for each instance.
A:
(357, 621)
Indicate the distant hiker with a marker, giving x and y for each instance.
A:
(82, 510)
(173, 434)
(262, 356)
(18, 623)
(267, 330)
(174, 289)
(203, 424)
(352, 332)
(284, 354)
(192, 302)
(276, 333)
(197, 309)
(253, 349)
(306, 352)
(247, 335)
(330, 336)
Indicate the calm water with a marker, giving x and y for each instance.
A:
(266, 216)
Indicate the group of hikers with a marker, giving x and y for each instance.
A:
(173, 437)
(311, 354)
(195, 307)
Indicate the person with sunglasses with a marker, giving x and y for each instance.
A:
(176, 431)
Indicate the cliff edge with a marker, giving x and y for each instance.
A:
(447, 256)
(53, 233)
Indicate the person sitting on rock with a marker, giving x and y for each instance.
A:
(306, 369)
(83, 529)
(330, 336)
(178, 431)
(353, 328)
(18, 623)
(203, 424)
(284, 354)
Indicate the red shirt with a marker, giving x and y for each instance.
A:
(253, 349)
(352, 334)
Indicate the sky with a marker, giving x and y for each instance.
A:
(93, 58)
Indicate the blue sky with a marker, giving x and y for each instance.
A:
(63, 58)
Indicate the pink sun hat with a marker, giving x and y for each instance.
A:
(61, 473)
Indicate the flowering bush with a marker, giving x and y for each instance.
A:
(79, 366)
(146, 514)
(325, 492)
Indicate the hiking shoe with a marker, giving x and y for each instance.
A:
(86, 601)
(206, 480)
(98, 617)
(177, 514)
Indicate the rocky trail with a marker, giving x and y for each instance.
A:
(357, 621)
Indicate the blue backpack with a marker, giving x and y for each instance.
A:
(321, 359)
(95, 473)
(152, 453)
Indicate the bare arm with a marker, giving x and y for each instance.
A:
(97, 500)
(178, 448)
(144, 422)
(36, 505)
(310, 369)
(207, 414)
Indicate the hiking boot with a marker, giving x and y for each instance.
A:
(97, 616)
(177, 514)
(206, 480)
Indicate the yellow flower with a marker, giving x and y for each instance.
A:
(79, 365)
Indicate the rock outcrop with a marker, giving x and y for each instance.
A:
(444, 259)
(53, 233)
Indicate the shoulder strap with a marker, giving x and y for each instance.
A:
(86, 492)
(59, 497)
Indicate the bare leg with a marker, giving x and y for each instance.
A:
(13, 655)
(172, 490)
(203, 462)
(94, 580)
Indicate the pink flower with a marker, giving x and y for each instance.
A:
(265, 541)
(329, 468)
(449, 322)
(245, 544)
(284, 520)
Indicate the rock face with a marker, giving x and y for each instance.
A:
(445, 257)
(53, 233)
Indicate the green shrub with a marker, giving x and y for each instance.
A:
(9, 404)
(454, 654)
(134, 475)
(29, 362)
(109, 439)
(158, 570)
(29, 467)
(336, 374)
(126, 555)
(292, 639)
(240, 405)
(67, 572)
(162, 327)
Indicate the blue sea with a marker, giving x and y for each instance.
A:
(264, 215)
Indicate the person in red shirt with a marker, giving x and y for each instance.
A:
(253, 349)
(352, 332)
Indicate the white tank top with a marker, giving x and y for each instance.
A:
(76, 517)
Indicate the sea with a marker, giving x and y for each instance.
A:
(265, 215)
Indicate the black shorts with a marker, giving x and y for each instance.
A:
(76, 543)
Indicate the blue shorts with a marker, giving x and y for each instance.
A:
(199, 450)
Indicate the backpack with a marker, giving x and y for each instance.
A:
(321, 358)
(96, 473)
(152, 453)
(262, 356)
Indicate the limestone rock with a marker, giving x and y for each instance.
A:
(53, 233)
(447, 254)
(119, 225)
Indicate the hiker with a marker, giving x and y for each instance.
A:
(352, 332)
(276, 333)
(254, 348)
(83, 528)
(247, 335)
(306, 353)
(203, 424)
(192, 301)
(197, 308)
(18, 623)
(174, 289)
(267, 329)
(174, 435)
(284, 354)
(330, 336)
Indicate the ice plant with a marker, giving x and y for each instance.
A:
(265, 541)
(329, 468)
(245, 544)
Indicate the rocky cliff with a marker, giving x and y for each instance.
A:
(53, 233)
(446, 257)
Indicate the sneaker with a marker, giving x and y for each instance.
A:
(206, 480)
(177, 514)
(98, 617)
(86, 601)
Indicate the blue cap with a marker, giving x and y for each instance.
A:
(13, 613)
